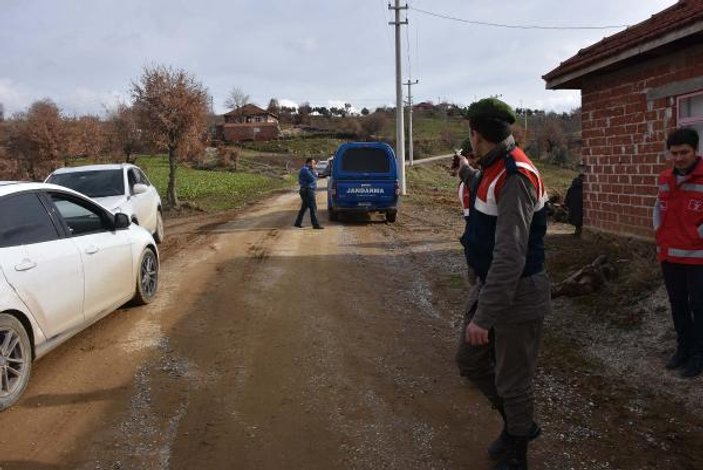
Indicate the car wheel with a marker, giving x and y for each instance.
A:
(390, 216)
(159, 232)
(332, 215)
(15, 360)
(147, 278)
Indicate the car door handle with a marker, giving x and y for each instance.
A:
(91, 250)
(26, 265)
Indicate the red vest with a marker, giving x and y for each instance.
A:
(464, 195)
(681, 209)
(494, 176)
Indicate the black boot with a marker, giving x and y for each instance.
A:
(516, 456)
(679, 359)
(501, 445)
(693, 367)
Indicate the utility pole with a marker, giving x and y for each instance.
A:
(399, 125)
(410, 119)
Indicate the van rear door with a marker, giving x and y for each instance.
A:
(366, 177)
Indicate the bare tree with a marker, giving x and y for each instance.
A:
(373, 124)
(551, 139)
(236, 98)
(172, 106)
(303, 116)
(85, 137)
(2, 112)
(274, 107)
(125, 135)
(37, 138)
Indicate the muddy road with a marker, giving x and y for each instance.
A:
(268, 347)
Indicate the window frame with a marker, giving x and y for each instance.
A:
(143, 177)
(108, 220)
(689, 121)
(58, 229)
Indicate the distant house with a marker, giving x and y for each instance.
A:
(424, 106)
(249, 122)
(636, 86)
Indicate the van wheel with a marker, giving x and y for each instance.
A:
(390, 216)
(15, 360)
(332, 215)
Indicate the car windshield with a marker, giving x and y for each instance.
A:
(99, 183)
(365, 160)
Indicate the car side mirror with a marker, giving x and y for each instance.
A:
(140, 188)
(122, 221)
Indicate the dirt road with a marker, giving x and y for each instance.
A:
(275, 347)
(268, 347)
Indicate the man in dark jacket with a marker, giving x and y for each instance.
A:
(503, 324)
(307, 179)
(574, 203)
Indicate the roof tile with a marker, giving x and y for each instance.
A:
(678, 16)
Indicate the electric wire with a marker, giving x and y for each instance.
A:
(515, 26)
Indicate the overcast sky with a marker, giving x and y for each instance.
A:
(84, 54)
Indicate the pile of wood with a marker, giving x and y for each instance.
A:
(586, 280)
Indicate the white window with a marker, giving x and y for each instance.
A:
(691, 112)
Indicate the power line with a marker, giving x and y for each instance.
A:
(388, 33)
(514, 26)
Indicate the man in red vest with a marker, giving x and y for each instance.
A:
(505, 234)
(678, 225)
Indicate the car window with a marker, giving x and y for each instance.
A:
(366, 160)
(24, 221)
(143, 179)
(97, 183)
(80, 217)
(132, 179)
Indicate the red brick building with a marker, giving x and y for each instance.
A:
(636, 86)
(249, 122)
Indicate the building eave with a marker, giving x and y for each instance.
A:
(572, 80)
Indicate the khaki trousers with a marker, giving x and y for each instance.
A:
(504, 369)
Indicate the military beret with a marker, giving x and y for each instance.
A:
(491, 108)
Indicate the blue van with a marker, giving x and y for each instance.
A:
(364, 178)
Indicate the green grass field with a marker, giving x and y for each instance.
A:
(320, 147)
(433, 181)
(556, 179)
(211, 190)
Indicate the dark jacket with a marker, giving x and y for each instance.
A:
(508, 293)
(307, 179)
(574, 202)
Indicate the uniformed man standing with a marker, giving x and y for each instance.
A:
(307, 179)
(507, 223)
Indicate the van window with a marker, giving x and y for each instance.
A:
(365, 160)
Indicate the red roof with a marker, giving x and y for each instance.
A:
(675, 18)
(249, 110)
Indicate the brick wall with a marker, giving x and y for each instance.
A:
(257, 131)
(624, 133)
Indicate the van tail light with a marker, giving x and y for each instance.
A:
(397, 188)
(334, 189)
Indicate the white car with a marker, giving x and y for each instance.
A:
(119, 187)
(321, 168)
(65, 262)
